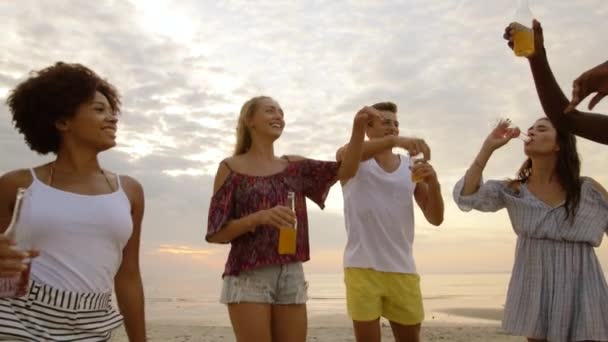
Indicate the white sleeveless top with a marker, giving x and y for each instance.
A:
(80, 237)
(379, 216)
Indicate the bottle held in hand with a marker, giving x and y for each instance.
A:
(287, 235)
(17, 286)
(523, 35)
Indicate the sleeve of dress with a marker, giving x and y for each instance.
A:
(598, 197)
(221, 208)
(316, 178)
(488, 198)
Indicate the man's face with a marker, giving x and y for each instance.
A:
(384, 126)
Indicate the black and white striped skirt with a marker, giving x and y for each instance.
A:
(49, 314)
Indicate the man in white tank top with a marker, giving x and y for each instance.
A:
(379, 268)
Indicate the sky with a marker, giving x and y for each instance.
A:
(185, 68)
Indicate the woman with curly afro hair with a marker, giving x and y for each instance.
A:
(79, 224)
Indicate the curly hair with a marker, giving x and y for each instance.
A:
(51, 94)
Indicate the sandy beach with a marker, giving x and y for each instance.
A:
(158, 331)
(333, 328)
(460, 308)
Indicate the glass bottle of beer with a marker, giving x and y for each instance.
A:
(414, 160)
(17, 286)
(287, 235)
(523, 35)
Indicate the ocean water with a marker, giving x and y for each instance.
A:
(448, 298)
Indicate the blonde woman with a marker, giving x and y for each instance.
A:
(265, 291)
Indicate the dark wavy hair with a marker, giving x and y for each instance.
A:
(51, 94)
(568, 169)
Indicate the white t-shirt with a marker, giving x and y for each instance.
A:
(379, 216)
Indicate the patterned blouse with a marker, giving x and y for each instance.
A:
(242, 195)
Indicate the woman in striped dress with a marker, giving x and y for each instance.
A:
(557, 290)
(84, 220)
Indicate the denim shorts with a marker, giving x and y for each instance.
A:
(274, 284)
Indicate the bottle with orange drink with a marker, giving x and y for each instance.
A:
(416, 159)
(287, 235)
(523, 35)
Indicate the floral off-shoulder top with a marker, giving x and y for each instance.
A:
(242, 195)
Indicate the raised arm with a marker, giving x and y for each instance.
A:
(351, 156)
(553, 100)
(497, 138)
(372, 147)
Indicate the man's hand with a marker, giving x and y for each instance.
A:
(592, 81)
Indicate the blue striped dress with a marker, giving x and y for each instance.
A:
(557, 289)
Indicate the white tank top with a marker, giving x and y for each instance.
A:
(379, 216)
(80, 237)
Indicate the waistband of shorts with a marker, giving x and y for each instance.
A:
(69, 300)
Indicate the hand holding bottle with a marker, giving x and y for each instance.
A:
(11, 260)
(278, 216)
(500, 135)
(288, 233)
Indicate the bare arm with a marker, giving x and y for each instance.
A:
(235, 228)
(127, 282)
(352, 154)
(373, 147)
(429, 199)
(473, 175)
(10, 260)
(499, 136)
(370, 148)
(554, 101)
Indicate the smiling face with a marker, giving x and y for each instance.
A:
(94, 124)
(384, 126)
(267, 120)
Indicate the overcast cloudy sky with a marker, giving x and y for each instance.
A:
(185, 68)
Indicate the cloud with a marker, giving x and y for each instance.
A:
(184, 70)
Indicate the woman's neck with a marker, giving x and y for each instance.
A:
(544, 170)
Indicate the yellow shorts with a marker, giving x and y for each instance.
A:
(395, 296)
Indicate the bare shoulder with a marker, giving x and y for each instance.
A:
(223, 171)
(12, 180)
(598, 187)
(132, 187)
(239, 162)
(294, 158)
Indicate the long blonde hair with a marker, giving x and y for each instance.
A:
(243, 136)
